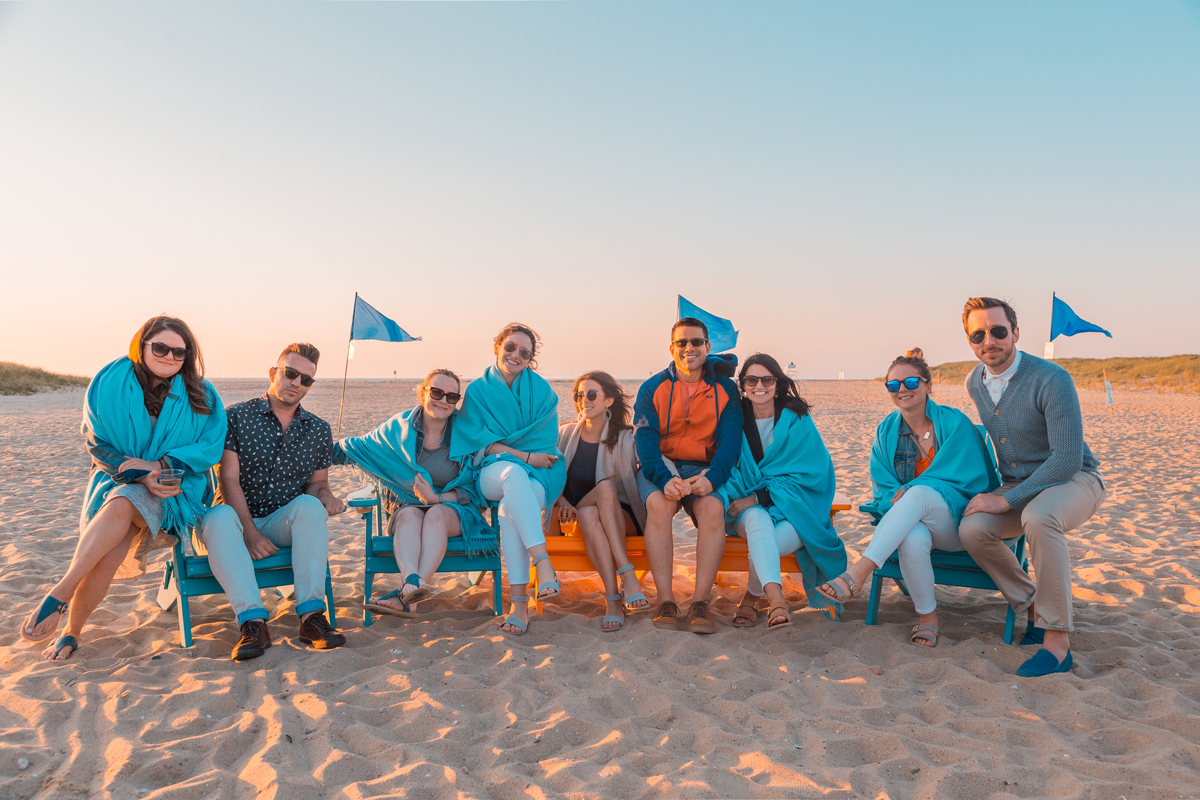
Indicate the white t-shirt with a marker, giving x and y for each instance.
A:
(996, 384)
(766, 431)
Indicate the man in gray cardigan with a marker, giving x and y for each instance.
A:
(1051, 484)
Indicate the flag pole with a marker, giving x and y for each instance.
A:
(346, 371)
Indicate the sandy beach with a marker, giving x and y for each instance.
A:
(447, 707)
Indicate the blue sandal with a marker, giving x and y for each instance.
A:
(66, 640)
(418, 594)
(613, 598)
(406, 611)
(511, 620)
(633, 597)
(554, 586)
(50, 605)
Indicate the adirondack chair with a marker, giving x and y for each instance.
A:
(950, 568)
(380, 554)
(189, 575)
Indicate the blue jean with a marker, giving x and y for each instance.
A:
(300, 525)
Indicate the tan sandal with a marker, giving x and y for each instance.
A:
(746, 615)
(835, 593)
(783, 612)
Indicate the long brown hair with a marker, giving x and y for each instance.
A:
(787, 395)
(192, 371)
(619, 410)
(520, 327)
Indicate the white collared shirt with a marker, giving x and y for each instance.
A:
(996, 384)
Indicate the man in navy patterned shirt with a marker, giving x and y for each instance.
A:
(274, 492)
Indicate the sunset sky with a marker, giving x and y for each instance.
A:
(836, 178)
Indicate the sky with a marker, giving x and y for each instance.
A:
(836, 178)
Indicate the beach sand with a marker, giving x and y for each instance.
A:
(447, 707)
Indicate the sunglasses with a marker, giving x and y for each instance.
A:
(754, 380)
(437, 394)
(590, 394)
(159, 349)
(292, 374)
(998, 333)
(909, 383)
(524, 352)
(682, 343)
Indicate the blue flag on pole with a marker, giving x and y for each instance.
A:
(721, 335)
(367, 323)
(1065, 322)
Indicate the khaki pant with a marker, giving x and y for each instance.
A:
(1045, 521)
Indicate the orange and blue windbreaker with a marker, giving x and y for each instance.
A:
(708, 430)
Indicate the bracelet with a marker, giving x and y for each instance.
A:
(439, 497)
(527, 455)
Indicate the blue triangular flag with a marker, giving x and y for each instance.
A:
(367, 323)
(721, 335)
(1065, 322)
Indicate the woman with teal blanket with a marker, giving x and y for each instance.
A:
(927, 462)
(779, 495)
(509, 425)
(436, 496)
(154, 428)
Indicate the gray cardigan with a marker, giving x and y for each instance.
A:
(1037, 428)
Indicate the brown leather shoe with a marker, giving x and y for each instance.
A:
(254, 642)
(700, 618)
(667, 616)
(317, 631)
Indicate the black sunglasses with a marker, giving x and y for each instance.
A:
(524, 352)
(437, 394)
(682, 343)
(909, 383)
(178, 353)
(292, 374)
(753, 380)
(591, 395)
(998, 332)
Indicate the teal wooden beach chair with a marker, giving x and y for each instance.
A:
(380, 554)
(189, 575)
(949, 568)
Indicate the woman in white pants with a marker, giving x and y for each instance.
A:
(509, 422)
(778, 496)
(927, 462)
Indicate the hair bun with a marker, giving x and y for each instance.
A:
(916, 352)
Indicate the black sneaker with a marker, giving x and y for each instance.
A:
(256, 638)
(317, 631)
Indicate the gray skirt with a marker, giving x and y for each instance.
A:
(150, 538)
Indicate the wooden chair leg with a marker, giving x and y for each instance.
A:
(873, 599)
(329, 598)
(368, 580)
(1010, 622)
(185, 621)
(497, 597)
(168, 593)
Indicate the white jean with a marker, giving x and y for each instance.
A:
(919, 522)
(522, 502)
(766, 543)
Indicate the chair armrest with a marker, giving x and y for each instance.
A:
(870, 508)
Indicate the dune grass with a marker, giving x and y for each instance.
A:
(1164, 373)
(20, 379)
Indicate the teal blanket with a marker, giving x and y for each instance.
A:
(961, 468)
(115, 416)
(798, 472)
(524, 417)
(389, 455)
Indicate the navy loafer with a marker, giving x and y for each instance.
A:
(1044, 663)
(1033, 634)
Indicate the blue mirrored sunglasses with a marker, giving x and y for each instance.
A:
(909, 383)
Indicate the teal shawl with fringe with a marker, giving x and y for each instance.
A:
(961, 468)
(524, 417)
(389, 455)
(115, 417)
(798, 472)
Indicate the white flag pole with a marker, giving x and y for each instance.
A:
(346, 371)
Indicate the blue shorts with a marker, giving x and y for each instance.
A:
(687, 469)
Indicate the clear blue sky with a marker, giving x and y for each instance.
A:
(835, 177)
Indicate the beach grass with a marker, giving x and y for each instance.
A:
(20, 379)
(1163, 373)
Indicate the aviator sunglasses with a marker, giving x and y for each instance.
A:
(998, 332)
(292, 374)
(159, 349)
(437, 394)
(909, 383)
(524, 352)
(696, 342)
(753, 380)
(590, 394)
